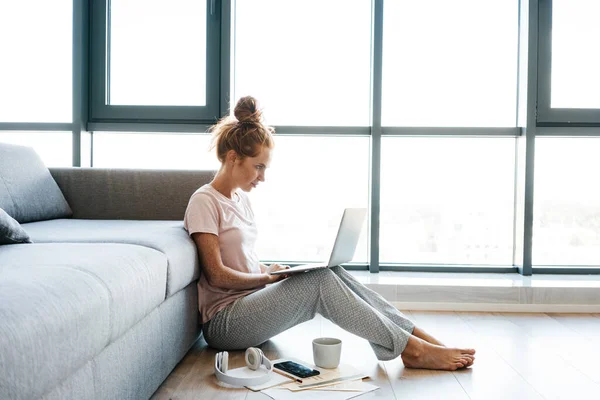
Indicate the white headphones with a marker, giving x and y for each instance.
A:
(254, 359)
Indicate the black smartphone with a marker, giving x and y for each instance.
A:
(296, 369)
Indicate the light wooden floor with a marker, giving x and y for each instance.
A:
(519, 356)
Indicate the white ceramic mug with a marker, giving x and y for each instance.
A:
(327, 352)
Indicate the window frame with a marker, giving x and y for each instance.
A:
(100, 80)
(547, 115)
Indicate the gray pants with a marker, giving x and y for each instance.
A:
(333, 293)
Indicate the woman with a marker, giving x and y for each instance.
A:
(238, 309)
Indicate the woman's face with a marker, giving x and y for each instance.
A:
(250, 171)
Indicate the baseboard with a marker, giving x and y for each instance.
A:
(483, 307)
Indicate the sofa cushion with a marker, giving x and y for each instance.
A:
(27, 190)
(10, 230)
(62, 304)
(168, 237)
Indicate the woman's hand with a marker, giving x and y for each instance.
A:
(277, 267)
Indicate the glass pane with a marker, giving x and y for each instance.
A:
(54, 148)
(306, 61)
(153, 151)
(566, 218)
(158, 52)
(447, 200)
(575, 63)
(450, 63)
(299, 207)
(86, 149)
(36, 61)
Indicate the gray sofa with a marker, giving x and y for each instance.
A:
(103, 303)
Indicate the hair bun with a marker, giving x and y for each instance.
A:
(246, 110)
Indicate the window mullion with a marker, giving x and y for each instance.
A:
(376, 95)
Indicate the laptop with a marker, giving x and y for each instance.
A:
(344, 246)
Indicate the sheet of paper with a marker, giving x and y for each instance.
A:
(349, 386)
(284, 394)
(342, 373)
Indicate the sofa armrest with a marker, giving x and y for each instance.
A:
(106, 193)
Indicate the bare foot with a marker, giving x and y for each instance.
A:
(421, 334)
(421, 354)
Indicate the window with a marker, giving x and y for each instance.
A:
(161, 72)
(153, 151)
(157, 52)
(566, 228)
(447, 200)
(450, 63)
(54, 148)
(568, 82)
(36, 66)
(157, 61)
(307, 62)
(299, 207)
(575, 65)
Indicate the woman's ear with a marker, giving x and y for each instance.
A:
(231, 157)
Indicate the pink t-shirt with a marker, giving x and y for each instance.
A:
(232, 220)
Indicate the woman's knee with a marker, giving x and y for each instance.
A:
(338, 269)
(311, 276)
(320, 275)
(309, 284)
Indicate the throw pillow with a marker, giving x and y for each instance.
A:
(27, 190)
(10, 230)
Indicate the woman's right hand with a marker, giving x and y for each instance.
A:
(277, 267)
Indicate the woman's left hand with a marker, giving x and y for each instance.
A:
(277, 267)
